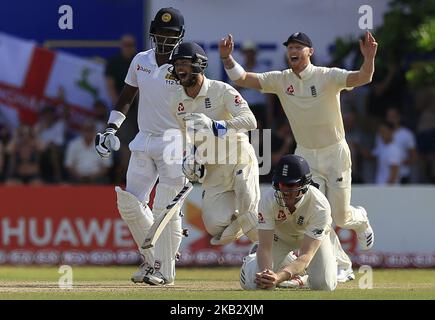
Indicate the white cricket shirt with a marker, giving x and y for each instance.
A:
(387, 155)
(312, 103)
(312, 216)
(156, 85)
(219, 101)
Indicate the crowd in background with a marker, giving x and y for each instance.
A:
(390, 130)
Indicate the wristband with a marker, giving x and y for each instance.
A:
(219, 128)
(116, 118)
(236, 72)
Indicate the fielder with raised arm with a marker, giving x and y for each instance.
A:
(150, 74)
(218, 115)
(310, 97)
(294, 215)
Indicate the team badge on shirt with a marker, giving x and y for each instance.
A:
(180, 107)
(281, 215)
(207, 103)
(237, 100)
(290, 90)
(170, 76)
(260, 218)
(313, 91)
(300, 220)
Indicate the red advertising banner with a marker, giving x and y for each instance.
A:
(63, 224)
(78, 225)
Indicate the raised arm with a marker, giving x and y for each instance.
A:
(368, 48)
(234, 70)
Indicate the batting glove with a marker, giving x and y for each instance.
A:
(106, 142)
(203, 123)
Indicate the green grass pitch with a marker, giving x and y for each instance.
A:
(199, 284)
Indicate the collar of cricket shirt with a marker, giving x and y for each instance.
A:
(303, 200)
(307, 72)
(202, 92)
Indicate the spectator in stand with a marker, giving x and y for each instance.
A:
(355, 139)
(426, 134)
(5, 137)
(388, 156)
(282, 143)
(84, 165)
(260, 104)
(101, 115)
(406, 140)
(50, 130)
(116, 70)
(2, 161)
(24, 154)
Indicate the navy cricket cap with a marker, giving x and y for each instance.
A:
(301, 38)
(168, 18)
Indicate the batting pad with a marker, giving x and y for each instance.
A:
(169, 241)
(138, 218)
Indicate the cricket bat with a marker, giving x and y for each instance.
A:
(161, 222)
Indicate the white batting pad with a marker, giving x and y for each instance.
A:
(170, 239)
(138, 218)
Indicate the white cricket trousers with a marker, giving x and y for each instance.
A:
(331, 169)
(230, 187)
(150, 160)
(322, 270)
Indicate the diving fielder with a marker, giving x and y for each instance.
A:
(217, 112)
(294, 215)
(150, 74)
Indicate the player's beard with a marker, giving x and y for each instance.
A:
(191, 81)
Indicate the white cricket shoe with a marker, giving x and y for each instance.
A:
(157, 279)
(345, 275)
(144, 269)
(366, 238)
(297, 282)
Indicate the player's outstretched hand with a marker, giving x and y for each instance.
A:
(368, 46)
(106, 142)
(226, 46)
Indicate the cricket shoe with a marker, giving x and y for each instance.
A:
(345, 275)
(144, 270)
(366, 238)
(297, 282)
(157, 279)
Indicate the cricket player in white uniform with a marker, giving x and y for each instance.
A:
(150, 74)
(294, 215)
(310, 97)
(215, 111)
